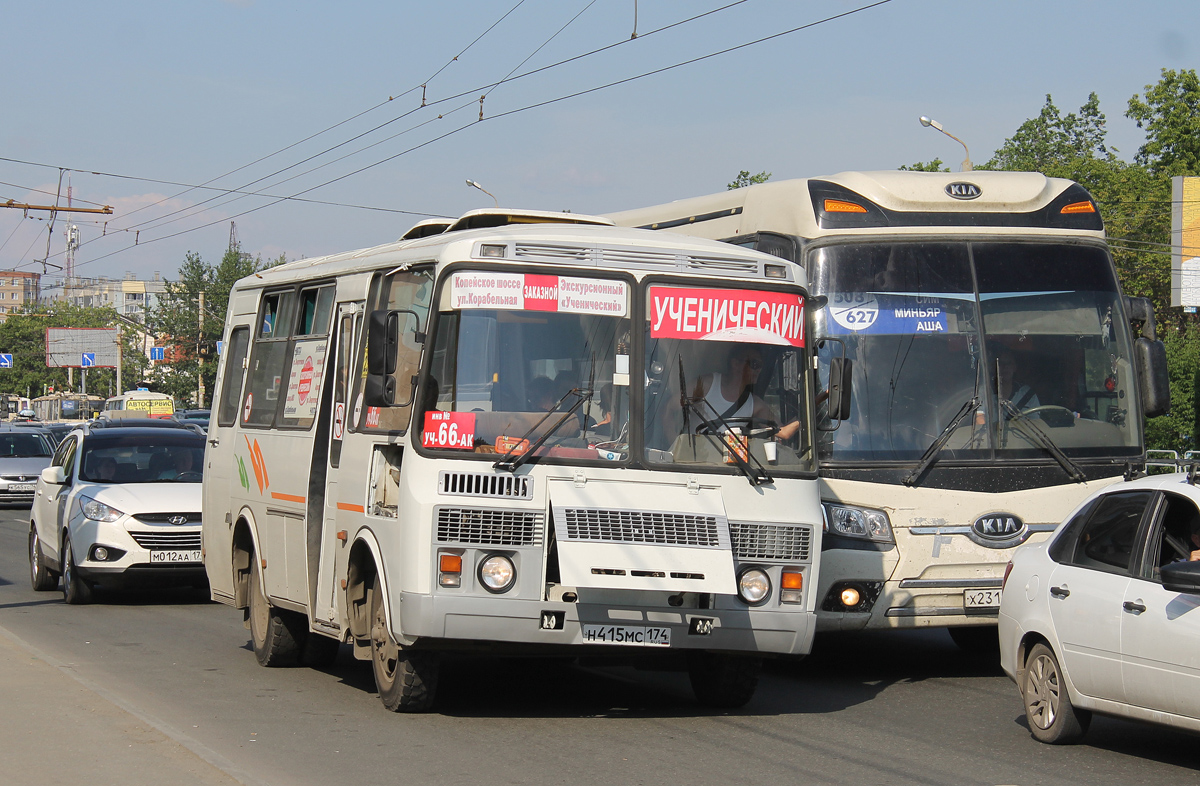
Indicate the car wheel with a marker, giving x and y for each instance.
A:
(1048, 709)
(406, 680)
(723, 681)
(76, 590)
(276, 634)
(41, 577)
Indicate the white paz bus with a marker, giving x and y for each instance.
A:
(995, 380)
(549, 437)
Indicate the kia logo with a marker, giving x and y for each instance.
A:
(998, 530)
(963, 190)
(177, 520)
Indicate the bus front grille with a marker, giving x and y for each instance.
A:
(167, 540)
(636, 526)
(748, 266)
(770, 541)
(480, 484)
(487, 527)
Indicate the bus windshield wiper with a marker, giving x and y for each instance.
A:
(1035, 435)
(935, 447)
(511, 460)
(757, 474)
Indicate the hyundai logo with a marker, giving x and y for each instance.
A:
(998, 530)
(963, 190)
(178, 520)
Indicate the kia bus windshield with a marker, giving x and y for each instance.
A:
(1008, 346)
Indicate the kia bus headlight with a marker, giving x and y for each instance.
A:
(754, 586)
(98, 511)
(861, 523)
(497, 573)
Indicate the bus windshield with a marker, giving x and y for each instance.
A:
(526, 363)
(1002, 347)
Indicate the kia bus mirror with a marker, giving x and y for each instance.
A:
(1154, 385)
(840, 371)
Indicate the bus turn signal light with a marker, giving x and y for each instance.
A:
(1085, 206)
(450, 570)
(842, 206)
(791, 586)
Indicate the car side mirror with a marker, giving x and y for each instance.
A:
(1181, 577)
(55, 475)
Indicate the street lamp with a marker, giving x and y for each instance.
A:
(473, 184)
(928, 123)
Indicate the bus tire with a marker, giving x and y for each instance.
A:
(723, 681)
(319, 651)
(406, 680)
(42, 578)
(76, 591)
(274, 633)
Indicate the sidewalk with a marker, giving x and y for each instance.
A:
(55, 730)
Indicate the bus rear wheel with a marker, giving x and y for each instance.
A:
(406, 680)
(275, 634)
(723, 681)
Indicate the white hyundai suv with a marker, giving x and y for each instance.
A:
(118, 506)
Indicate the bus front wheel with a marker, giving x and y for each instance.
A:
(406, 680)
(723, 681)
(275, 634)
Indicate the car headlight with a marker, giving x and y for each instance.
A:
(98, 511)
(497, 573)
(754, 586)
(861, 523)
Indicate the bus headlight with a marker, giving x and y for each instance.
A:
(754, 586)
(497, 573)
(860, 523)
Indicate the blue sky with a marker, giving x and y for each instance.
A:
(187, 92)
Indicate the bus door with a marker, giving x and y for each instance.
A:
(223, 469)
(324, 503)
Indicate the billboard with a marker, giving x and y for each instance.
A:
(1185, 241)
(82, 347)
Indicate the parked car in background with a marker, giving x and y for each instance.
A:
(1105, 616)
(24, 453)
(118, 505)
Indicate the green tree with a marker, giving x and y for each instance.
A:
(1052, 139)
(744, 178)
(936, 165)
(1170, 114)
(176, 319)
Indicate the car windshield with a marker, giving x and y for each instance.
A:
(1031, 333)
(526, 363)
(725, 381)
(159, 458)
(23, 446)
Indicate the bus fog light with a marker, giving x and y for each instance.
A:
(850, 597)
(497, 573)
(791, 587)
(754, 586)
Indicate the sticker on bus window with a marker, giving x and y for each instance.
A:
(869, 312)
(449, 430)
(304, 380)
(747, 315)
(538, 292)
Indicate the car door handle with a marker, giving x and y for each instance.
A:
(1060, 592)
(1133, 607)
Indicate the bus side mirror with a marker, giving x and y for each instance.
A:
(384, 347)
(1154, 384)
(840, 370)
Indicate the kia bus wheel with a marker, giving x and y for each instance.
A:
(723, 681)
(1048, 709)
(406, 680)
(76, 590)
(41, 577)
(274, 633)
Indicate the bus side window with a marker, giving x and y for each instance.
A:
(268, 364)
(410, 290)
(231, 390)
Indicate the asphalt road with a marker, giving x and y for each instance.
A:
(894, 708)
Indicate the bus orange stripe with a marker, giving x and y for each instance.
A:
(351, 506)
(286, 497)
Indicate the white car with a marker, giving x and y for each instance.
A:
(118, 506)
(1105, 615)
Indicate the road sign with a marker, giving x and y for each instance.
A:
(6, 361)
(220, 347)
(89, 360)
(158, 353)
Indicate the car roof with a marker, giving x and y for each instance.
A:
(135, 431)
